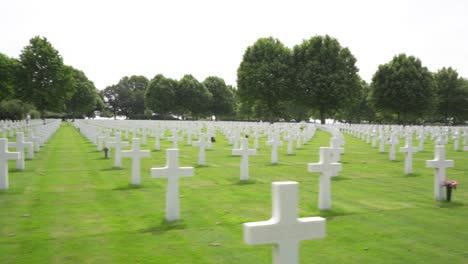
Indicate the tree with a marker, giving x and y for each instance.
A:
(160, 95)
(325, 77)
(359, 109)
(111, 99)
(14, 109)
(264, 76)
(223, 97)
(452, 95)
(42, 77)
(7, 77)
(131, 95)
(403, 87)
(193, 98)
(85, 97)
(127, 96)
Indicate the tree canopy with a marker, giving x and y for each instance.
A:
(7, 77)
(160, 95)
(42, 78)
(452, 95)
(223, 97)
(403, 87)
(263, 76)
(325, 75)
(84, 100)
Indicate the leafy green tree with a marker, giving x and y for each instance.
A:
(14, 109)
(7, 76)
(85, 97)
(160, 96)
(325, 76)
(263, 76)
(452, 95)
(359, 109)
(127, 97)
(111, 100)
(42, 77)
(131, 95)
(223, 97)
(405, 88)
(193, 97)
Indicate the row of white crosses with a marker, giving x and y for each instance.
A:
(20, 145)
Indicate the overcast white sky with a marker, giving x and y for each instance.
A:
(112, 39)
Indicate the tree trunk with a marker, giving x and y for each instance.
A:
(322, 117)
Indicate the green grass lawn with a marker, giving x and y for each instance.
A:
(71, 206)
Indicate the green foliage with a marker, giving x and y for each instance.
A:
(405, 88)
(14, 109)
(84, 100)
(42, 77)
(193, 98)
(223, 97)
(264, 76)
(358, 109)
(326, 76)
(452, 95)
(160, 96)
(7, 77)
(127, 97)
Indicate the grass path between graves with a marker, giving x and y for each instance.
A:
(71, 206)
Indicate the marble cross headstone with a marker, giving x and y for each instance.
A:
(5, 155)
(202, 145)
(175, 139)
(327, 169)
(275, 142)
(136, 154)
(20, 145)
(172, 172)
(245, 152)
(439, 163)
(118, 144)
(393, 141)
(289, 138)
(285, 230)
(409, 150)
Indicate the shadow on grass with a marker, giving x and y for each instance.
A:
(452, 204)
(201, 166)
(111, 169)
(156, 150)
(246, 182)
(164, 227)
(332, 213)
(341, 178)
(411, 175)
(128, 187)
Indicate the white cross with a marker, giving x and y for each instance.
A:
(35, 140)
(439, 163)
(456, 140)
(175, 139)
(118, 144)
(202, 144)
(245, 152)
(421, 139)
(274, 143)
(290, 139)
(20, 145)
(172, 172)
(327, 169)
(393, 142)
(136, 154)
(157, 137)
(5, 155)
(284, 229)
(381, 143)
(335, 144)
(409, 150)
